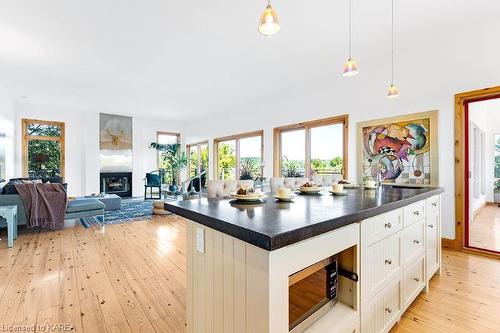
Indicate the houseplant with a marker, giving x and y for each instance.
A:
(174, 159)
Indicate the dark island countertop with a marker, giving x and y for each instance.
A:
(272, 225)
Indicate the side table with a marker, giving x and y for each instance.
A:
(10, 214)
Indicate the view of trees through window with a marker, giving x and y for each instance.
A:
(44, 142)
(250, 157)
(240, 158)
(293, 153)
(198, 159)
(312, 149)
(164, 139)
(327, 149)
(226, 160)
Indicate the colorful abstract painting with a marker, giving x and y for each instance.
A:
(400, 150)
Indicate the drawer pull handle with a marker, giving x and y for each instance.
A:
(435, 204)
(416, 213)
(416, 279)
(431, 225)
(389, 310)
(388, 225)
(416, 241)
(388, 262)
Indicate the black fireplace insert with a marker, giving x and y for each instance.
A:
(119, 183)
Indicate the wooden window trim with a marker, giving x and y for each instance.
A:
(460, 168)
(26, 138)
(158, 133)
(307, 126)
(197, 144)
(237, 138)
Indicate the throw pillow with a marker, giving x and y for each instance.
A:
(152, 179)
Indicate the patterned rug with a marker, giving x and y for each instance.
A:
(132, 210)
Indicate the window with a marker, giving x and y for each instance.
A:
(43, 148)
(314, 147)
(165, 138)
(239, 156)
(477, 161)
(198, 159)
(496, 164)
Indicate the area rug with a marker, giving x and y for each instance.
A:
(132, 210)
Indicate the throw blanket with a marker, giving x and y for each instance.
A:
(45, 204)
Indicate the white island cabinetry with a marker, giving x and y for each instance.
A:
(400, 252)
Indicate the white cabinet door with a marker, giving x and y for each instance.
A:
(432, 243)
(383, 310)
(380, 263)
(413, 281)
(412, 243)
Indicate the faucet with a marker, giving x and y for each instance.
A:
(379, 174)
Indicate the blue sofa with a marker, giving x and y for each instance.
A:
(76, 209)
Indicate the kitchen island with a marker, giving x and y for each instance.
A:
(246, 261)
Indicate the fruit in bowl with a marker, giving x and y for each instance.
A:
(245, 191)
(309, 185)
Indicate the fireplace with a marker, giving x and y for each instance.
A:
(119, 183)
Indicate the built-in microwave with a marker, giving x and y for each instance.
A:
(313, 291)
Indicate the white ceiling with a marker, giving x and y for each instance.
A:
(181, 59)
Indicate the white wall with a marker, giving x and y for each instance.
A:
(82, 145)
(428, 75)
(7, 127)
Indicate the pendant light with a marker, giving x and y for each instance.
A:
(393, 91)
(269, 23)
(350, 67)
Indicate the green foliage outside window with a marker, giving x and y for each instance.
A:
(250, 168)
(226, 161)
(44, 156)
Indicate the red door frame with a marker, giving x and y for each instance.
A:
(467, 170)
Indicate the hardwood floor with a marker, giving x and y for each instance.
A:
(131, 278)
(485, 229)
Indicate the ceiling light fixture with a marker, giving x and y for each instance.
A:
(350, 67)
(393, 91)
(269, 23)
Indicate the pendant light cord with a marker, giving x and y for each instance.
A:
(392, 42)
(349, 25)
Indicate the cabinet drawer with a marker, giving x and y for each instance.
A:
(433, 204)
(412, 242)
(379, 227)
(414, 213)
(383, 310)
(380, 263)
(413, 281)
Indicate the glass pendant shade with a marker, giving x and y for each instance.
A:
(269, 23)
(350, 68)
(393, 91)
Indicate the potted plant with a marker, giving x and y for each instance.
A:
(174, 158)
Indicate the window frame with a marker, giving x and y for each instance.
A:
(237, 138)
(158, 133)
(26, 138)
(197, 145)
(307, 126)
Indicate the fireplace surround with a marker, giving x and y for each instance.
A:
(119, 183)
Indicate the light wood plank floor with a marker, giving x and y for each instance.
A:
(131, 278)
(485, 229)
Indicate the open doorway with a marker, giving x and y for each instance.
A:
(482, 174)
